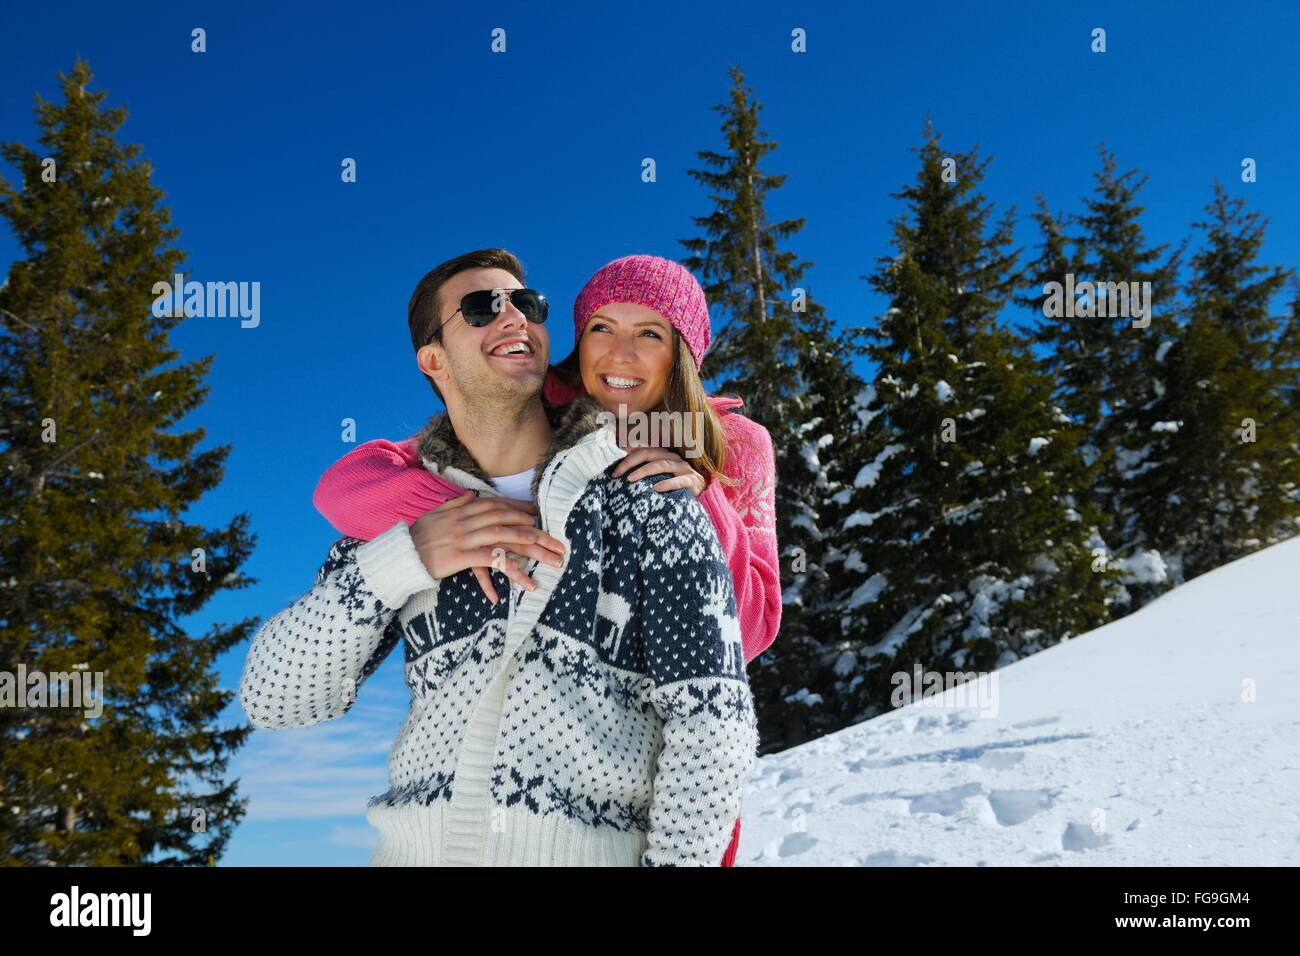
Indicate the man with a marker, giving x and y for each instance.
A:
(595, 713)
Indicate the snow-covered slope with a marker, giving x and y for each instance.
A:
(1135, 744)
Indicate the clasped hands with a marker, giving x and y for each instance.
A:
(495, 532)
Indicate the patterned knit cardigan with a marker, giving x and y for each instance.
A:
(603, 719)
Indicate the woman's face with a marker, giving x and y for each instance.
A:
(626, 357)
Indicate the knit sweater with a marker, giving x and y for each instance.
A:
(603, 719)
(381, 481)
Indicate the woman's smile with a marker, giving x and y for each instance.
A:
(622, 383)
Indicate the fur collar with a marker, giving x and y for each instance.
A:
(443, 454)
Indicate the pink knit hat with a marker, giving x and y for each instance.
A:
(656, 283)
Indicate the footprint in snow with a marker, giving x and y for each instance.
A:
(890, 858)
(1016, 806)
(945, 802)
(999, 759)
(792, 844)
(1079, 837)
(1037, 722)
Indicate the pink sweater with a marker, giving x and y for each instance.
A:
(368, 489)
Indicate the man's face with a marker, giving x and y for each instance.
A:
(485, 367)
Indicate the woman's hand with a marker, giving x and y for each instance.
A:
(661, 461)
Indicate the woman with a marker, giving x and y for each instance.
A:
(641, 328)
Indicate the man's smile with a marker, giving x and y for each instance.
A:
(514, 350)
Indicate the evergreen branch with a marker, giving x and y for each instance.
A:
(18, 318)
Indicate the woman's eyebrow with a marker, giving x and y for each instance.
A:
(656, 323)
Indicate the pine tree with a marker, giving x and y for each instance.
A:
(97, 565)
(973, 545)
(1109, 372)
(776, 350)
(1067, 342)
(1224, 480)
(1287, 361)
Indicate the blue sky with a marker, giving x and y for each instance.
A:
(540, 149)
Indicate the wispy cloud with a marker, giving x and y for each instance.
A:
(365, 837)
(327, 770)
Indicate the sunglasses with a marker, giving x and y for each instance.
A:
(482, 307)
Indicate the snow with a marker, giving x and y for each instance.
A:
(1036, 445)
(942, 390)
(1131, 464)
(1166, 738)
(845, 664)
(1045, 564)
(1163, 350)
(869, 473)
(1143, 567)
(803, 696)
(867, 592)
(988, 594)
(854, 562)
(804, 521)
(865, 519)
(1166, 426)
(809, 451)
(865, 399)
(964, 513)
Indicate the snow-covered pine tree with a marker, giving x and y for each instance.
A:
(775, 349)
(97, 566)
(972, 547)
(1286, 366)
(1110, 247)
(1286, 363)
(1223, 480)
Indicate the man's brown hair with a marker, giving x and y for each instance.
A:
(424, 310)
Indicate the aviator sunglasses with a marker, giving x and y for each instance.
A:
(480, 308)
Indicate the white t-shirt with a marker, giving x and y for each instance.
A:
(518, 486)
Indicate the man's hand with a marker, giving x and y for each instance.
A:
(464, 531)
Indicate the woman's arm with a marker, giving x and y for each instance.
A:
(744, 515)
(379, 483)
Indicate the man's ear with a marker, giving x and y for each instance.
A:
(432, 360)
